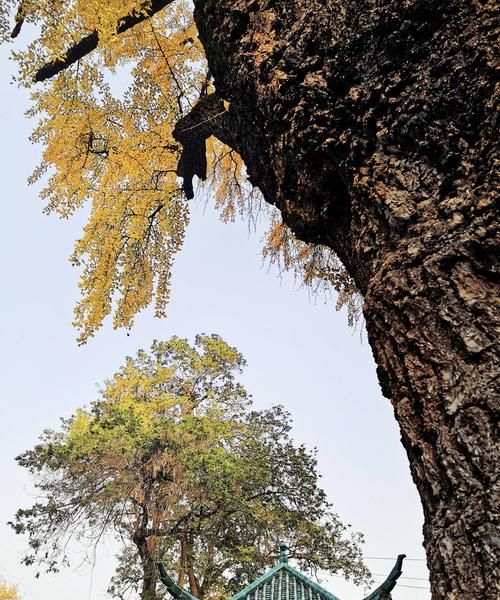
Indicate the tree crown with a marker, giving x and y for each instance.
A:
(106, 127)
(172, 461)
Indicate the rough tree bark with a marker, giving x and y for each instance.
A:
(370, 125)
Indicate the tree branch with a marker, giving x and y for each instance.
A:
(90, 42)
(192, 131)
(19, 20)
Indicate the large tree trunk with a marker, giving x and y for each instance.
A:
(369, 124)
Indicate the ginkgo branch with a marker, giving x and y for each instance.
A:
(90, 42)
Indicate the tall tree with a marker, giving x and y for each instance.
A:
(171, 461)
(371, 126)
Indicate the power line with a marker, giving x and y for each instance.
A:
(392, 558)
(403, 577)
(415, 587)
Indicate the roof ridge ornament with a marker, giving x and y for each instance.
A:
(283, 548)
(175, 590)
(383, 592)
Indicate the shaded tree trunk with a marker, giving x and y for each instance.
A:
(369, 124)
(149, 571)
(150, 578)
(186, 568)
(148, 562)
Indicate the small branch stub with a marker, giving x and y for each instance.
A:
(192, 132)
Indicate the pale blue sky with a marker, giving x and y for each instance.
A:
(300, 353)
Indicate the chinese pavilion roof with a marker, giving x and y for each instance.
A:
(283, 582)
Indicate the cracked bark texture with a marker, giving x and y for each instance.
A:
(370, 125)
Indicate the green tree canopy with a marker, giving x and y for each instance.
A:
(172, 461)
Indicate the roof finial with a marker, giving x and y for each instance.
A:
(384, 590)
(283, 546)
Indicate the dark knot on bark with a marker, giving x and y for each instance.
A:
(192, 132)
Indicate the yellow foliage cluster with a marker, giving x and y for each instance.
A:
(113, 152)
(117, 152)
(316, 266)
(8, 592)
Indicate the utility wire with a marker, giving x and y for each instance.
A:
(392, 558)
(403, 577)
(415, 587)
